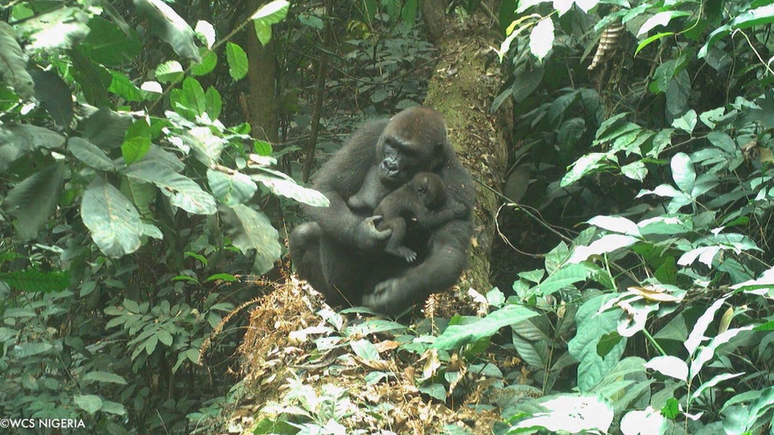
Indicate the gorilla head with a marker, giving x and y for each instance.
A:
(413, 141)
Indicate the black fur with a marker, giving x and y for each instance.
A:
(341, 252)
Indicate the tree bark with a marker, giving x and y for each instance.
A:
(262, 78)
(462, 89)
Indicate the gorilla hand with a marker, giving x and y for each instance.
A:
(382, 300)
(367, 236)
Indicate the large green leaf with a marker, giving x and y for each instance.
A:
(206, 146)
(90, 154)
(17, 140)
(170, 27)
(282, 185)
(54, 95)
(13, 63)
(108, 44)
(592, 326)
(184, 192)
(169, 72)
(250, 229)
(137, 141)
(237, 61)
(457, 335)
(106, 128)
(32, 201)
(232, 188)
(113, 221)
(267, 15)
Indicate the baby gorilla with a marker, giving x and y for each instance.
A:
(423, 198)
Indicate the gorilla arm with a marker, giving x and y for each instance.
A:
(338, 179)
(441, 269)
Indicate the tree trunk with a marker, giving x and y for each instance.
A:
(462, 89)
(262, 77)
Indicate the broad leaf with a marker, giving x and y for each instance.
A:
(458, 335)
(237, 61)
(90, 154)
(13, 63)
(170, 27)
(183, 191)
(267, 15)
(113, 221)
(17, 140)
(288, 188)
(32, 201)
(232, 188)
(249, 230)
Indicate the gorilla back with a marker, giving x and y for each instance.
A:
(341, 251)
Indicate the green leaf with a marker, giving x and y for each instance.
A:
(570, 413)
(262, 148)
(106, 128)
(33, 200)
(605, 244)
(113, 221)
(213, 103)
(647, 41)
(90, 154)
(183, 191)
(54, 95)
(13, 63)
(104, 377)
(541, 38)
(668, 365)
(409, 12)
(170, 27)
(365, 350)
(169, 72)
(584, 166)
(208, 63)
(683, 172)
(137, 141)
(109, 45)
(113, 408)
(89, 403)
(686, 122)
(282, 185)
(456, 336)
(592, 326)
(250, 229)
(124, 88)
(232, 188)
(660, 19)
(237, 61)
(266, 15)
(35, 281)
(206, 146)
(616, 224)
(18, 140)
(754, 17)
(635, 170)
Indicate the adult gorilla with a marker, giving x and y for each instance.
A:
(341, 253)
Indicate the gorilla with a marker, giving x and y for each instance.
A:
(341, 252)
(421, 199)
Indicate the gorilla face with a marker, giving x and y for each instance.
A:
(412, 142)
(429, 188)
